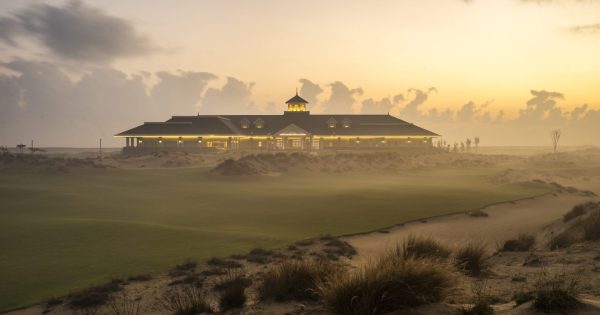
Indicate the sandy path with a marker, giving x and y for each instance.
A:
(504, 221)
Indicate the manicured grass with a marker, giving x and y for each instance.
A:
(63, 232)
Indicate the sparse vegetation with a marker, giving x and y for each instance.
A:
(591, 226)
(232, 289)
(223, 263)
(94, 297)
(472, 258)
(390, 283)
(183, 300)
(522, 243)
(481, 304)
(556, 293)
(422, 247)
(124, 305)
(295, 279)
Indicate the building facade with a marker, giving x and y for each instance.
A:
(295, 130)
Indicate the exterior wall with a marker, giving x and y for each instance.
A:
(284, 143)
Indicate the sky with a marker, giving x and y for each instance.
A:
(508, 71)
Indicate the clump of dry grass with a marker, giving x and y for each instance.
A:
(591, 226)
(422, 247)
(183, 300)
(472, 258)
(295, 279)
(481, 304)
(563, 239)
(124, 305)
(585, 228)
(94, 297)
(522, 243)
(390, 283)
(558, 293)
(232, 288)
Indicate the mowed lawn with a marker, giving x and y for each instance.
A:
(63, 232)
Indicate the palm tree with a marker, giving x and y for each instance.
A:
(555, 135)
(468, 143)
(476, 140)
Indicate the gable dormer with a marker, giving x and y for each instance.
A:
(331, 122)
(244, 123)
(346, 122)
(259, 123)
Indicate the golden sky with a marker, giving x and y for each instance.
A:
(491, 52)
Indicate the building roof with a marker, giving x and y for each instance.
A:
(272, 125)
(296, 99)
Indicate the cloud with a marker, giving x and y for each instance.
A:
(342, 98)
(309, 90)
(232, 98)
(586, 29)
(411, 110)
(383, 106)
(41, 102)
(75, 31)
(177, 92)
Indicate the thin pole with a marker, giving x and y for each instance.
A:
(32, 147)
(101, 148)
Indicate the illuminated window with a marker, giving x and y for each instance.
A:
(296, 143)
(260, 144)
(331, 122)
(315, 144)
(245, 123)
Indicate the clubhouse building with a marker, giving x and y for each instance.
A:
(295, 130)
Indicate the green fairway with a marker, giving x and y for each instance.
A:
(62, 232)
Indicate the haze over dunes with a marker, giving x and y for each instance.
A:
(507, 71)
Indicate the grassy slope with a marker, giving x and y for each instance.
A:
(62, 232)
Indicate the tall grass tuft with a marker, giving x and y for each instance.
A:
(390, 283)
(232, 288)
(422, 247)
(124, 305)
(184, 300)
(557, 293)
(472, 258)
(295, 280)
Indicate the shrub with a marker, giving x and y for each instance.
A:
(94, 296)
(591, 226)
(481, 305)
(472, 258)
(232, 287)
(140, 278)
(523, 243)
(223, 263)
(563, 239)
(422, 247)
(185, 300)
(294, 279)
(555, 293)
(387, 284)
(338, 248)
(578, 210)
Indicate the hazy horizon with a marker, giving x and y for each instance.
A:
(506, 71)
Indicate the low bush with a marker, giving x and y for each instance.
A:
(577, 211)
(422, 247)
(386, 285)
(140, 278)
(472, 258)
(563, 239)
(481, 304)
(337, 247)
(223, 263)
(232, 290)
(95, 296)
(184, 300)
(295, 280)
(523, 243)
(591, 226)
(558, 293)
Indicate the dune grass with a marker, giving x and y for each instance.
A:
(61, 233)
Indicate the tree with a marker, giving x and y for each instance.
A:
(21, 147)
(555, 135)
(462, 146)
(476, 141)
(455, 149)
(468, 143)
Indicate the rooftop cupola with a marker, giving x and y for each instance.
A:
(296, 104)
